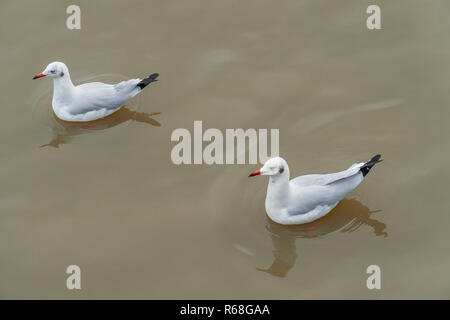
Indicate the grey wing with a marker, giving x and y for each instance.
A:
(322, 191)
(127, 86)
(97, 95)
(324, 179)
(305, 199)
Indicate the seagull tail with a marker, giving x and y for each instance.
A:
(145, 82)
(365, 168)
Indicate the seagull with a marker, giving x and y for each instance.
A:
(89, 101)
(310, 197)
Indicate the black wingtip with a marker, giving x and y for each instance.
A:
(369, 164)
(145, 82)
(376, 158)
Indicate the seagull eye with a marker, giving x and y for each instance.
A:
(281, 170)
(53, 71)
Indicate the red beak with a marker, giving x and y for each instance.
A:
(39, 75)
(255, 173)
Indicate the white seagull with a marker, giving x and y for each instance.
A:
(89, 101)
(308, 198)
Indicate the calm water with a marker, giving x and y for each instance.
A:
(106, 196)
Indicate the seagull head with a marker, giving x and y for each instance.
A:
(273, 167)
(54, 70)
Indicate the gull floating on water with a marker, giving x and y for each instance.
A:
(308, 198)
(89, 101)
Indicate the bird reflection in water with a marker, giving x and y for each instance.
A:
(348, 216)
(64, 131)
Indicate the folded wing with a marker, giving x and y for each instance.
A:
(97, 95)
(325, 179)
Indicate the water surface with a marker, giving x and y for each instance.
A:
(106, 196)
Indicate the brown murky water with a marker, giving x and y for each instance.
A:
(106, 196)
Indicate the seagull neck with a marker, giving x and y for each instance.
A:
(278, 188)
(63, 87)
